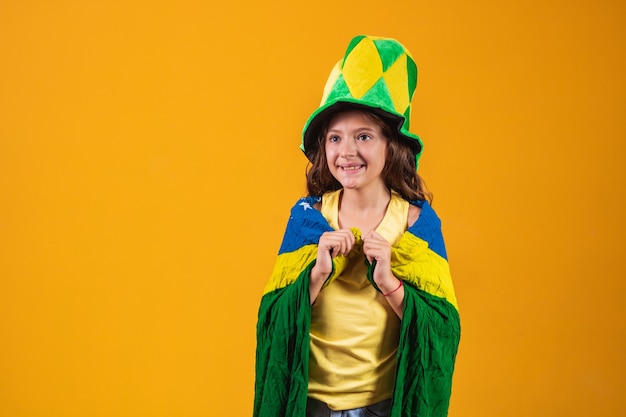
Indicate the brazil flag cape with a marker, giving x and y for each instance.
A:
(430, 328)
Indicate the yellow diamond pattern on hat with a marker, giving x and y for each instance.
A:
(397, 80)
(362, 68)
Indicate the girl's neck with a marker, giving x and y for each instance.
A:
(362, 210)
(360, 200)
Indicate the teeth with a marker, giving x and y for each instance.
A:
(352, 168)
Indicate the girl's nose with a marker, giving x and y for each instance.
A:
(348, 148)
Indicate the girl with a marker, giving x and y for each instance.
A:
(359, 317)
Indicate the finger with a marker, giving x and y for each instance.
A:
(373, 236)
(377, 250)
(337, 244)
(372, 245)
(346, 245)
(348, 239)
(337, 249)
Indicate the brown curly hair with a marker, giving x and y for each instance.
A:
(399, 173)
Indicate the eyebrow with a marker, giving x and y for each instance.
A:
(364, 128)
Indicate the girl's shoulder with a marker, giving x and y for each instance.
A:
(427, 217)
(329, 197)
(414, 214)
(414, 208)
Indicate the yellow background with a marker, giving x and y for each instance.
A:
(149, 157)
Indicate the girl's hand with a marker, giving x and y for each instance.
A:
(377, 248)
(331, 245)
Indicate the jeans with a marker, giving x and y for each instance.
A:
(315, 408)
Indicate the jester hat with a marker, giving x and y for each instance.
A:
(377, 74)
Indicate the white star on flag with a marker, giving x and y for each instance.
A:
(306, 205)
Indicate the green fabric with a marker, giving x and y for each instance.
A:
(340, 89)
(282, 357)
(380, 94)
(427, 350)
(354, 42)
(411, 69)
(389, 52)
(429, 334)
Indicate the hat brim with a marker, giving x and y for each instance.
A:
(313, 127)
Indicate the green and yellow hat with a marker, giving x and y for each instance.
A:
(378, 74)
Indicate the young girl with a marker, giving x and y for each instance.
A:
(359, 317)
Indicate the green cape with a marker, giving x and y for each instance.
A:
(430, 329)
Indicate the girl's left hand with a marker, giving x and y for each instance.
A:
(377, 248)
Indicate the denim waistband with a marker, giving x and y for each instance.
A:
(316, 408)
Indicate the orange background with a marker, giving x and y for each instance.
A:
(149, 157)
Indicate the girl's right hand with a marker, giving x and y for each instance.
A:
(331, 245)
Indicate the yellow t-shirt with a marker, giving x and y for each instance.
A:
(354, 331)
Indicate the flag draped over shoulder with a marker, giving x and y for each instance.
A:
(430, 329)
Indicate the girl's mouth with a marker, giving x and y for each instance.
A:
(352, 168)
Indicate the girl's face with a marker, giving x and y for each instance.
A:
(355, 150)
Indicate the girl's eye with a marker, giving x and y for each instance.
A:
(364, 137)
(333, 138)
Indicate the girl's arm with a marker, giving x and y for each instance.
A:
(395, 296)
(377, 248)
(331, 244)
